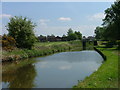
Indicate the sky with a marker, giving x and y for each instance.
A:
(57, 17)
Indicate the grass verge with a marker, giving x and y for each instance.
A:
(107, 74)
(41, 49)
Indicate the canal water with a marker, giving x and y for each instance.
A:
(61, 70)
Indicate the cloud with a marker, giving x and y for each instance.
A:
(96, 17)
(5, 16)
(64, 19)
(65, 67)
(43, 22)
(44, 65)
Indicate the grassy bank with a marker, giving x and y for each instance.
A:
(41, 49)
(107, 74)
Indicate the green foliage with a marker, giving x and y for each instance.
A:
(111, 24)
(73, 35)
(79, 35)
(8, 42)
(99, 31)
(70, 31)
(112, 21)
(110, 44)
(41, 49)
(21, 29)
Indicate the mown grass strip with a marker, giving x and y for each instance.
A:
(107, 74)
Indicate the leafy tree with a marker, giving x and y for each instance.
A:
(111, 22)
(99, 31)
(64, 38)
(79, 35)
(72, 36)
(21, 29)
(70, 31)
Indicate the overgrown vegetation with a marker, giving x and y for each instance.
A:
(8, 43)
(41, 49)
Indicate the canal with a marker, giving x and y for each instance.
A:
(60, 70)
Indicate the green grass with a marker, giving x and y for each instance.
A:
(107, 75)
(41, 49)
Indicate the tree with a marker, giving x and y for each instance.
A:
(70, 31)
(79, 35)
(64, 38)
(99, 31)
(72, 36)
(111, 22)
(21, 29)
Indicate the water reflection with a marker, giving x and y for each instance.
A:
(22, 77)
(78, 56)
(62, 70)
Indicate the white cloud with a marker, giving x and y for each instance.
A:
(96, 17)
(44, 65)
(64, 19)
(65, 67)
(43, 22)
(5, 16)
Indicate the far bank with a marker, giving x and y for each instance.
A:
(42, 49)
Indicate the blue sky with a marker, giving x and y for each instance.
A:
(57, 17)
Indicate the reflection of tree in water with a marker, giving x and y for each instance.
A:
(20, 78)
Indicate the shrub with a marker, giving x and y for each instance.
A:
(21, 29)
(110, 44)
(8, 42)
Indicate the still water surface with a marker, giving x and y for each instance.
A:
(61, 70)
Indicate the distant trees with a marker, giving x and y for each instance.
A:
(21, 29)
(64, 38)
(111, 24)
(79, 35)
(73, 35)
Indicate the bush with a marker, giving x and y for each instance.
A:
(8, 42)
(21, 29)
(110, 44)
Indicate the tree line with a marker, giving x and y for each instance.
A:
(71, 35)
(21, 34)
